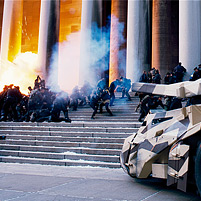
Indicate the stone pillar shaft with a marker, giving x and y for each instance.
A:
(164, 35)
(190, 34)
(117, 37)
(15, 30)
(12, 29)
(48, 33)
(86, 21)
(91, 13)
(160, 35)
(1, 17)
(138, 39)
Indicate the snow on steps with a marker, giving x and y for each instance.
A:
(84, 142)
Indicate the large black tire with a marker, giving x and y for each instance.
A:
(198, 168)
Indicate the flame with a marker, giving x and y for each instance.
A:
(21, 72)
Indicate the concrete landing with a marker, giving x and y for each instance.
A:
(29, 182)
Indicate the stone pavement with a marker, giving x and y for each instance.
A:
(29, 182)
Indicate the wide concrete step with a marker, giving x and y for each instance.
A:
(80, 124)
(103, 120)
(115, 108)
(64, 162)
(83, 142)
(74, 129)
(119, 103)
(63, 144)
(117, 113)
(81, 150)
(60, 156)
(66, 139)
(65, 134)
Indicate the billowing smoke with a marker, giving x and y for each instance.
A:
(64, 67)
(118, 53)
(83, 58)
(95, 50)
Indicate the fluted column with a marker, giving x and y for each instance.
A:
(138, 39)
(190, 34)
(48, 34)
(11, 30)
(117, 39)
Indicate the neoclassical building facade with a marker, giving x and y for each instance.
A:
(135, 35)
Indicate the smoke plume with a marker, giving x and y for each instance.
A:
(83, 56)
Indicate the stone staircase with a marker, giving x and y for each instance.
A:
(84, 142)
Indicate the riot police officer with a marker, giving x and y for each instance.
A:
(94, 103)
(105, 99)
(61, 103)
(13, 97)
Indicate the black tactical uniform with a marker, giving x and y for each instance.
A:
(112, 88)
(179, 71)
(61, 103)
(147, 103)
(144, 107)
(175, 103)
(86, 91)
(75, 96)
(94, 103)
(43, 112)
(12, 99)
(105, 99)
(102, 84)
(34, 104)
(126, 85)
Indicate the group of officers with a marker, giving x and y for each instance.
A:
(44, 105)
(149, 102)
(40, 105)
(105, 96)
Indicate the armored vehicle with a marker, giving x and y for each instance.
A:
(168, 143)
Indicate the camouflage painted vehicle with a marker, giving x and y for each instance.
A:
(168, 144)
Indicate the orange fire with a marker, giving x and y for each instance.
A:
(21, 72)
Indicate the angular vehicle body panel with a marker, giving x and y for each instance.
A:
(158, 145)
(178, 166)
(180, 90)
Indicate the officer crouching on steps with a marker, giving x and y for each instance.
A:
(61, 103)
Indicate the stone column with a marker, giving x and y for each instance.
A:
(15, 30)
(190, 34)
(161, 36)
(117, 39)
(1, 17)
(48, 34)
(90, 13)
(11, 30)
(86, 19)
(106, 15)
(138, 39)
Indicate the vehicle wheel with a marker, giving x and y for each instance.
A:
(198, 168)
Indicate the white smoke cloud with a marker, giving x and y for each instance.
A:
(83, 56)
(64, 68)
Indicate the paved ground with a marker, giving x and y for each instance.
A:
(25, 182)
